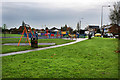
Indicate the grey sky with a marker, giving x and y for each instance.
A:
(54, 12)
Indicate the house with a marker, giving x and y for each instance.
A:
(114, 29)
(54, 29)
(13, 31)
(92, 29)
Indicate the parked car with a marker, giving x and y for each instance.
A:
(98, 35)
(108, 35)
(116, 36)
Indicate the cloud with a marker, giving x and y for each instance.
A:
(52, 12)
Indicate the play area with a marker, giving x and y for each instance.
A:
(31, 36)
(27, 32)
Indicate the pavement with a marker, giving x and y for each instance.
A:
(37, 49)
(23, 44)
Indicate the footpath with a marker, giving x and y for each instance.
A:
(37, 49)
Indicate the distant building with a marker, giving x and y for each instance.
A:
(13, 31)
(54, 28)
(92, 28)
(114, 29)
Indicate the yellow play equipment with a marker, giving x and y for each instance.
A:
(63, 32)
(72, 35)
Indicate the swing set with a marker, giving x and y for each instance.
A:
(27, 33)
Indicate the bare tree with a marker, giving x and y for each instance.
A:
(115, 14)
(78, 27)
(4, 29)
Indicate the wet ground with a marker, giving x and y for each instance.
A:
(23, 44)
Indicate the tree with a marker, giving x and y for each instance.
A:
(4, 28)
(66, 25)
(64, 28)
(78, 27)
(33, 29)
(115, 14)
(98, 31)
(46, 28)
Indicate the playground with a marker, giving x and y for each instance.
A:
(30, 39)
(15, 48)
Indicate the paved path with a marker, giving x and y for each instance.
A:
(23, 44)
(37, 49)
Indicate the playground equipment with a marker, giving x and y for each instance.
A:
(58, 34)
(72, 35)
(31, 34)
(24, 31)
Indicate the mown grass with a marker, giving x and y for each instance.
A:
(11, 35)
(16, 40)
(9, 48)
(95, 58)
(12, 48)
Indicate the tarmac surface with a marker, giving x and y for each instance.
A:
(37, 49)
(23, 44)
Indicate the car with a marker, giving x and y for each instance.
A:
(116, 36)
(108, 35)
(98, 35)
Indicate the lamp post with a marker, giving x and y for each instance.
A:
(102, 18)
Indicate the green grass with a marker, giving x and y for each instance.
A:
(94, 58)
(16, 40)
(11, 35)
(9, 48)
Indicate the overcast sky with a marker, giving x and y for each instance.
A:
(38, 13)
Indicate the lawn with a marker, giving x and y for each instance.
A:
(16, 40)
(9, 48)
(11, 35)
(94, 58)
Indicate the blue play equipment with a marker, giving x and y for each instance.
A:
(77, 35)
(82, 35)
(30, 35)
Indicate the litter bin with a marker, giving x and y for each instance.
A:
(34, 42)
(89, 36)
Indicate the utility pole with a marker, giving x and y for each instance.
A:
(102, 19)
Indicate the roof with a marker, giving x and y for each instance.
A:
(107, 27)
(93, 27)
(54, 28)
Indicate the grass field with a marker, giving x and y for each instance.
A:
(9, 48)
(95, 58)
(16, 40)
(11, 35)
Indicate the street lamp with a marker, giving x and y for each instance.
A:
(102, 17)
